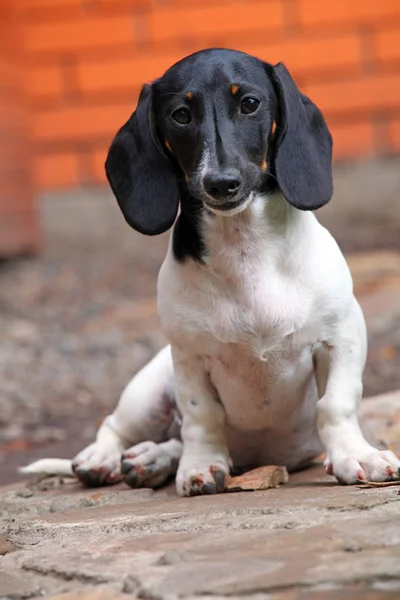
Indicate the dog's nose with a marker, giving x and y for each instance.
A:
(222, 185)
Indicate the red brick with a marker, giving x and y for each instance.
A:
(184, 22)
(14, 158)
(45, 82)
(56, 170)
(79, 34)
(394, 134)
(123, 73)
(126, 5)
(180, 2)
(12, 116)
(387, 44)
(307, 55)
(48, 9)
(378, 91)
(320, 12)
(95, 33)
(10, 76)
(350, 140)
(80, 123)
(46, 4)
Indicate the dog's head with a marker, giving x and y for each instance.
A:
(216, 128)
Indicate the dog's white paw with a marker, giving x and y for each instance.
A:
(202, 477)
(146, 465)
(366, 465)
(97, 465)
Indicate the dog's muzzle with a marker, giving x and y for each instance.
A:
(224, 194)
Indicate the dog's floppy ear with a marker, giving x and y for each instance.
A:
(303, 155)
(140, 174)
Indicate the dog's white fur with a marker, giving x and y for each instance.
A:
(268, 346)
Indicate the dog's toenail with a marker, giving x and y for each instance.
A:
(194, 490)
(219, 478)
(132, 479)
(209, 488)
(126, 468)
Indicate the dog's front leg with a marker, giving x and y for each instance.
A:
(349, 457)
(205, 460)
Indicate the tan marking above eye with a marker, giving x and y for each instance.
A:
(264, 165)
(189, 95)
(273, 127)
(168, 145)
(186, 178)
(234, 89)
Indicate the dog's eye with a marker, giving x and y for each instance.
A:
(182, 116)
(249, 105)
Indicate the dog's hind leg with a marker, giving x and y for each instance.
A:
(145, 420)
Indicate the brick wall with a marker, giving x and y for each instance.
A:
(18, 225)
(88, 58)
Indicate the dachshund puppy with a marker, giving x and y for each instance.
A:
(267, 342)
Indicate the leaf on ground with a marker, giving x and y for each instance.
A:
(378, 484)
(261, 478)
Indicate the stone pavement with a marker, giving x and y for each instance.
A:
(310, 539)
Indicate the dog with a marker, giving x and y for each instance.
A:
(267, 342)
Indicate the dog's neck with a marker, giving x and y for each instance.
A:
(269, 230)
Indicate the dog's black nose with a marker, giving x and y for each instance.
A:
(222, 185)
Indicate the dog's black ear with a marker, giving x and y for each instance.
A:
(303, 155)
(140, 174)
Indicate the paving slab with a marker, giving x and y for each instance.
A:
(307, 534)
(309, 539)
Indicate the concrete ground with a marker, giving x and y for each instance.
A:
(76, 323)
(309, 539)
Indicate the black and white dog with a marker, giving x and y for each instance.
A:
(267, 342)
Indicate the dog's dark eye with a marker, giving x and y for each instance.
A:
(182, 116)
(249, 105)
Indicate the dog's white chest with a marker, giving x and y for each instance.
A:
(241, 315)
(250, 316)
(242, 295)
(257, 316)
